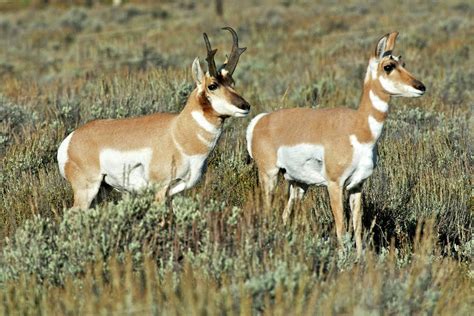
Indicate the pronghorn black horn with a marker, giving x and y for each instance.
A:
(234, 53)
(211, 64)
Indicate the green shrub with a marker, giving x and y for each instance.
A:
(218, 251)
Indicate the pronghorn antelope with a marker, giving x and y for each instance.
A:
(331, 147)
(163, 148)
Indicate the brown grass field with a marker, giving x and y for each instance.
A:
(217, 251)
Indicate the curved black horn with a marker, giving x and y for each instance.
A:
(211, 64)
(235, 52)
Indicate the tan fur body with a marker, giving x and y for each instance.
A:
(170, 136)
(167, 149)
(332, 147)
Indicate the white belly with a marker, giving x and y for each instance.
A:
(130, 170)
(303, 163)
(126, 170)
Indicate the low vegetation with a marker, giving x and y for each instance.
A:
(216, 250)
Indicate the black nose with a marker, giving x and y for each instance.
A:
(245, 106)
(420, 86)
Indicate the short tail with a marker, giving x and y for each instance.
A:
(248, 159)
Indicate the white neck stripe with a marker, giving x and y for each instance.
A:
(373, 64)
(378, 103)
(375, 127)
(203, 140)
(205, 124)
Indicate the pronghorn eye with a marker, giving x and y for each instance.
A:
(388, 68)
(212, 86)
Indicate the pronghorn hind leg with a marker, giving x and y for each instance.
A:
(335, 195)
(355, 201)
(85, 191)
(85, 184)
(296, 192)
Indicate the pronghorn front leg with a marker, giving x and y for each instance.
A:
(169, 190)
(165, 195)
(335, 195)
(355, 201)
(162, 194)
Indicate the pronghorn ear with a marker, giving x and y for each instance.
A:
(198, 74)
(380, 49)
(392, 38)
(386, 45)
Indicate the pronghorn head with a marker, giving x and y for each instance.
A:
(216, 86)
(390, 72)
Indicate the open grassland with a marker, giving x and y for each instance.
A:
(217, 251)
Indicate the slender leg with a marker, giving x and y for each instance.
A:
(85, 184)
(335, 195)
(178, 187)
(268, 180)
(161, 194)
(168, 191)
(166, 194)
(355, 200)
(85, 192)
(296, 193)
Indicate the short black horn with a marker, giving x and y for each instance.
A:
(235, 52)
(211, 64)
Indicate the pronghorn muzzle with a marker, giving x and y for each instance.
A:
(239, 102)
(418, 85)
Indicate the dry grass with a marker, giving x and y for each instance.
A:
(61, 66)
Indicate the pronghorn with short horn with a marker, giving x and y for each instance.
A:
(331, 147)
(163, 148)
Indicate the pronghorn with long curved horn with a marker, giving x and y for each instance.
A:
(163, 148)
(331, 147)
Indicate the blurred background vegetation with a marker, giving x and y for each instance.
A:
(63, 63)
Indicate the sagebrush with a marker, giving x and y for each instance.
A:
(216, 250)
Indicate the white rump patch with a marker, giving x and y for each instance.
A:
(204, 123)
(62, 154)
(303, 163)
(249, 134)
(375, 127)
(126, 170)
(378, 103)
